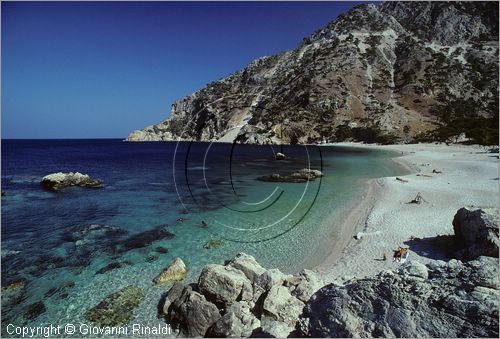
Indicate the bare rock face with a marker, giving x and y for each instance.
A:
(58, 181)
(304, 284)
(238, 322)
(476, 232)
(436, 300)
(249, 301)
(456, 300)
(224, 285)
(248, 265)
(395, 72)
(176, 271)
(280, 305)
(193, 314)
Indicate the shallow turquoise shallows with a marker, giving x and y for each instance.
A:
(198, 201)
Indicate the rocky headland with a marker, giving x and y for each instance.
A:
(386, 73)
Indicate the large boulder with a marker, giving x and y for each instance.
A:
(173, 294)
(248, 265)
(224, 285)
(455, 300)
(281, 306)
(275, 329)
(117, 308)
(176, 271)
(476, 232)
(238, 322)
(304, 284)
(192, 314)
(60, 180)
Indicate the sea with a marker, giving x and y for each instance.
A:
(64, 252)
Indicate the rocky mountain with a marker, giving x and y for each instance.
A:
(394, 72)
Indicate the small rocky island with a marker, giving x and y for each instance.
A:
(60, 180)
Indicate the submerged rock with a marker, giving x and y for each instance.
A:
(176, 271)
(303, 175)
(34, 310)
(117, 308)
(58, 181)
(456, 300)
(13, 293)
(144, 239)
(476, 232)
(161, 250)
(83, 234)
(212, 244)
(109, 267)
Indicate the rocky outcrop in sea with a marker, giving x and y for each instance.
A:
(58, 181)
(393, 72)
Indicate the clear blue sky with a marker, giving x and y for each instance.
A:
(103, 69)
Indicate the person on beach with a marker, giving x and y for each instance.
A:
(399, 254)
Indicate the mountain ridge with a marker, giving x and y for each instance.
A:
(395, 72)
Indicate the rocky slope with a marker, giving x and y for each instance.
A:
(398, 71)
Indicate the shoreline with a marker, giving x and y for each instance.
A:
(389, 221)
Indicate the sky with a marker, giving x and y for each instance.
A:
(103, 69)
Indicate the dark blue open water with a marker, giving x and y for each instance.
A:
(56, 244)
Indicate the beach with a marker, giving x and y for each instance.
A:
(448, 177)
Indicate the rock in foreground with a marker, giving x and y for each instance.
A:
(441, 300)
(476, 232)
(58, 181)
(242, 299)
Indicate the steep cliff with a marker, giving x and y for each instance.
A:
(396, 72)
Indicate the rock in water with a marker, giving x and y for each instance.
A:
(58, 181)
(476, 232)
(280, 156)
(176, 271)
(456, 300)
(117, 308)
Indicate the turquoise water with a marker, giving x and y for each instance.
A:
(49, 248)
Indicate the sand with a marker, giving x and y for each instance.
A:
(469, 178)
